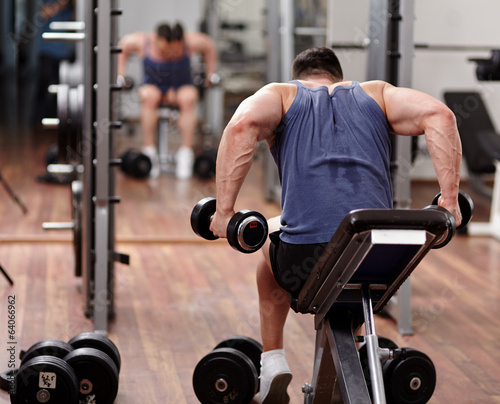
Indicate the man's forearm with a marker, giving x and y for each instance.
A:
(235, 157)
(443, 143)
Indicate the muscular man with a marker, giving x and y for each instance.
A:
(166, 57)
(330, 140)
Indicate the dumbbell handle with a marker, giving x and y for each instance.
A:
(50, 123)
(67, 25)
(58, 225)
(466, 207)
(63, 36)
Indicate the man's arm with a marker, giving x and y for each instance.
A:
(411, 112)
(255, 119)
(198, 42)
(131, 43)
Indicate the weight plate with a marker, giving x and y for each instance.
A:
(201, 216)
(410, 378)
(246, 345)
(247, 231)
(45, 379)
(77, 111)
(204, 164)
(97, 375)
(77, 193)
(135, 164)
(74, 120)
(47, 347)
(97, 341)
(225, 376)
(7, 379)
(63, 116)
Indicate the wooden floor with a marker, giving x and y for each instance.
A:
(180, 296)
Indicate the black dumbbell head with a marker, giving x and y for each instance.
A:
(97, 341)
(135, 164)
(204, 164)
(225, 375)
(47, 347)
(7, 379)
(246, 345)
(96, 373)
(201, 216)
(45, 379)
(409, 378)
(247, 231)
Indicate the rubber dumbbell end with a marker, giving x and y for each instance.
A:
(201, 217)
(247, 231)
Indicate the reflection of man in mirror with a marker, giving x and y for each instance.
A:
(167, 80)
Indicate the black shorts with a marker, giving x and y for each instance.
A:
(292, 263)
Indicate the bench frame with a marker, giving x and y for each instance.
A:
(348, 285)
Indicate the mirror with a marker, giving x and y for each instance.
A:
(149, 209)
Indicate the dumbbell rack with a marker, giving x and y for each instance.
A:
(99, 176)
(92, 159)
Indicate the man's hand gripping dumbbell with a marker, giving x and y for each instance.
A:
(246, 232)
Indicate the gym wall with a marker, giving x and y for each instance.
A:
(445, 22)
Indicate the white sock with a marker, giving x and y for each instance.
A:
(149, 150)
(273, 352)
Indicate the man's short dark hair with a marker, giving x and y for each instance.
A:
(317, 62)
(177, 32)
(164, 31)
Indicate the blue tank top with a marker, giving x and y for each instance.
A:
(333, 156)
(167, 74)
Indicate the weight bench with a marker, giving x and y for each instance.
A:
(370, 255)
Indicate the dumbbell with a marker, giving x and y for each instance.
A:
(204, 164)
(135, 164)
(96, 361)
(84, 369)
(125, 82)
(48, 347)
(246, 232)
(229, 373)
(44, 376)
(409, 375)
(466, 208)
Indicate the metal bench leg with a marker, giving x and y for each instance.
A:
(338, 376)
